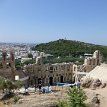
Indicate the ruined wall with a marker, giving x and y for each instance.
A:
(91, 62)
(50, 73)
(61, 72)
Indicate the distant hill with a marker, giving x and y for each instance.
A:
(64, 48)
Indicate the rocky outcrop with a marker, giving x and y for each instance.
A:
(86, 83)
(95, 84)
(92, 83)
(103, 85)
(95, 102)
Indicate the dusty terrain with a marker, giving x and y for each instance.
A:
(42, 100)
(102, 95)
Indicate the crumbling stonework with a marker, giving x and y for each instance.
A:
(49, 73)
(95, 101)
(59, 72)
(86, 83)
(92, 83)
(91, 62)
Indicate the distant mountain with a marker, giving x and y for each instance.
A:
(63, 48)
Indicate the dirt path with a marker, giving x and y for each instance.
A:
(2, 105)
(102, 95)
(36, 100)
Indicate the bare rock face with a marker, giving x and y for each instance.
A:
(95, 101)
(87, 82)
(93, 86)
(96, 83)
(91, 83)
(103, 85)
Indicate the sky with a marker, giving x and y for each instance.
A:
(36, 21)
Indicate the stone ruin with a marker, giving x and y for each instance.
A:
(92, 83)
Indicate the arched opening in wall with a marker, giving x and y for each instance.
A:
(28, 82)
(61, 79)
(97, 61)
(93, 61)
(90, 62)
(39, 81)
(74, 68)
(85, 70)
(55, 80)
(51, 80)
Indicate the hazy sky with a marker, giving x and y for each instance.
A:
(47, 20)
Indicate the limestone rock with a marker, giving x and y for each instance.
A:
(96, 83)
(95, 101)
(103, 85)
(87, 82)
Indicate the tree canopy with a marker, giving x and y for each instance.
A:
(65, 48)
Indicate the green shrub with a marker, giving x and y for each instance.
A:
(62, 104)
(16, 99)
(76, 97)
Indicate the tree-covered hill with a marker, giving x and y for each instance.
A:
(64, 48)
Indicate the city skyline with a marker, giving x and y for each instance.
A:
(37, 21)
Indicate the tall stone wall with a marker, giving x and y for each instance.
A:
(91, 62)
(50, 73)
(60, 72)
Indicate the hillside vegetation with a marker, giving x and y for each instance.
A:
(65, 48)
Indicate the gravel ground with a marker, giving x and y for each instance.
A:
(43, 100)
(40, 100)
(102, 95)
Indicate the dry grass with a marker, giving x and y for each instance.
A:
(40, 100)
(2, 105)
